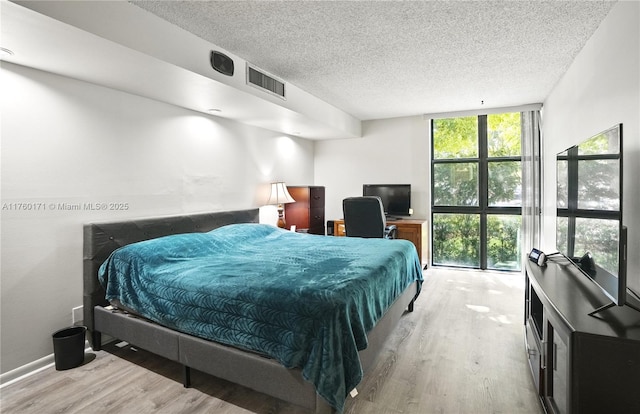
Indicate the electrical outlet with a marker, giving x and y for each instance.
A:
(76, 315)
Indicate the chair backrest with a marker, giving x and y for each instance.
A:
(364, 217)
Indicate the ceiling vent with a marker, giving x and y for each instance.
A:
(265, 82)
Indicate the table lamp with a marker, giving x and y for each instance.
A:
(279, 196)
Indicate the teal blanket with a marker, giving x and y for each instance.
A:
(307, 301)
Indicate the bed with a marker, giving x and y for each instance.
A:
(303, 327)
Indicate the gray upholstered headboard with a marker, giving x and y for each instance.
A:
(100, 239)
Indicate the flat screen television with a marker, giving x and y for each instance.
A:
(589, 229)
(396, 198)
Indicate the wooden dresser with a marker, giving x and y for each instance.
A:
(307, 213)
(414, 230)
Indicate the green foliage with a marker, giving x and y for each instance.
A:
(455, 138)
(458, 137)
(503, 242)
(455, 184)
(504, 135)
(456, 239)
(505, 183)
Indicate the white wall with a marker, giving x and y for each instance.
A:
(391, 151)
(66, 142)
(600, 89)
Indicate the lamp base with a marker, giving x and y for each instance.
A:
(281, 221)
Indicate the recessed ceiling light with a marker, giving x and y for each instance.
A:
(5, 53)
(214, 110)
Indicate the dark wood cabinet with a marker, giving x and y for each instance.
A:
(307, 213)
(580, 363)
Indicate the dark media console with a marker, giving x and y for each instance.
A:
(580, 363)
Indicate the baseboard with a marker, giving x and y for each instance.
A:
(26, 370)
(30, 369)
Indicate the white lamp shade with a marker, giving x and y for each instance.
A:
(280, 194)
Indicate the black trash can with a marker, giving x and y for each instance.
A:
(68, 347)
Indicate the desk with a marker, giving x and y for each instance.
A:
(414, 230)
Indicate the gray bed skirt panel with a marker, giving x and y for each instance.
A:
(385, 326)
(251, 370)
(139, 332)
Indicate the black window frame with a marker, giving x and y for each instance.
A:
(482, 209)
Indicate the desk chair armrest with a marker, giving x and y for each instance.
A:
(391, 231)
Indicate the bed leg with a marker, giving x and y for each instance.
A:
(411, 305)
(186, 376)
(96, 337)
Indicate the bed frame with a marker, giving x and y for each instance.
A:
(248, 369)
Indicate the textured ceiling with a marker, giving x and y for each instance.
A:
(383, 59)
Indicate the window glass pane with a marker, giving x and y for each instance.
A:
(503, 242)
(599, 185)
(455, 184)
(505, 183)
(456, 240)
(455, 138)
(503, 135)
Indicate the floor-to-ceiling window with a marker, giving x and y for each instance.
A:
(476, 191)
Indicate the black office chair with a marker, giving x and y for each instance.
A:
(364, 217)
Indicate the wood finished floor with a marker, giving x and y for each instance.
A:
(460, 351)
